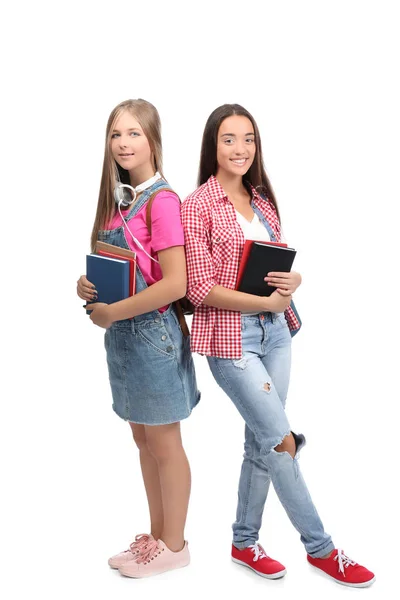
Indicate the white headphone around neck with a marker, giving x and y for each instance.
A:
(125, 195)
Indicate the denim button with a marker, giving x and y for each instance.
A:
(157, 319)
(163, 337)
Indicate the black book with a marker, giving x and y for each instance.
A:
(264, 259)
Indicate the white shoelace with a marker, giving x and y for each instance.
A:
(344, 561)
(259, 552)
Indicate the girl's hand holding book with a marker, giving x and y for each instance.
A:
(85, 289)
(286, 282)
(278, 302)
(100, 314)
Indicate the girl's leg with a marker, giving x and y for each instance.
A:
(250, 386)
(254, 478)
(165, 445)
(277, 363)
(151, 480)
(253, 489)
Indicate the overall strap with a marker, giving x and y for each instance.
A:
(264, 220)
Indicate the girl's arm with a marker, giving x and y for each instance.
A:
(221, 297)
(202, 285)
(171, 287)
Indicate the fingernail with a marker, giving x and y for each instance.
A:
(93, 287)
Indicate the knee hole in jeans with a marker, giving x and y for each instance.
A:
(288, 445)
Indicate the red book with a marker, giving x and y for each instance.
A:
(132, 268)
(245, 255)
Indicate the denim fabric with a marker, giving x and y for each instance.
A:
(150, 365)
(257, 384)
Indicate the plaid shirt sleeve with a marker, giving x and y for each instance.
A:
(200, 269)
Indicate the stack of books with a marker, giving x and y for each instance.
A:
(113, 272)
(258, 259)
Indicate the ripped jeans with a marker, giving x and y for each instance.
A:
(257, 384)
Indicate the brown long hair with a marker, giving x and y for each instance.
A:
(146, 114)
(256, 175)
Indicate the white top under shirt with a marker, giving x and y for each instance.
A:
(253, 230)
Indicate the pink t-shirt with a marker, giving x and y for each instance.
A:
(166, 231)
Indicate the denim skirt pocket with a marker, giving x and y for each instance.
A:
(158, 339)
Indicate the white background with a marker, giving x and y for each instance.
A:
(321, 78)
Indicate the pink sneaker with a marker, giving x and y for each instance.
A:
(343, 570)
(133, 552)
(156, 559)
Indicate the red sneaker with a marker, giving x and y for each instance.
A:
(343, 570)
(256, 559)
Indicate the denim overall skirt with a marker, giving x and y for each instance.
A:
(150, 365)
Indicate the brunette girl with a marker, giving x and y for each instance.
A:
(247, 339)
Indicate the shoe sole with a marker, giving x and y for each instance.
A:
(278, 575)
(358, 585)
(154, 574)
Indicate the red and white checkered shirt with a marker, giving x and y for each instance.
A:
(214, 243)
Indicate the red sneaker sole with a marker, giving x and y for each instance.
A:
(359, 585)
(278, 575)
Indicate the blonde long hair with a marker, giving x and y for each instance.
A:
(146, 114)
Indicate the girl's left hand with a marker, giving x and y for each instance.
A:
(100, 314)
(287, 282)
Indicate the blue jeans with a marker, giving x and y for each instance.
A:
(257, 383)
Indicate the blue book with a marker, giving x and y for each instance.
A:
(110, 276)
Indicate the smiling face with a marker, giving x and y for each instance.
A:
(130, 148)
(236, 146)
